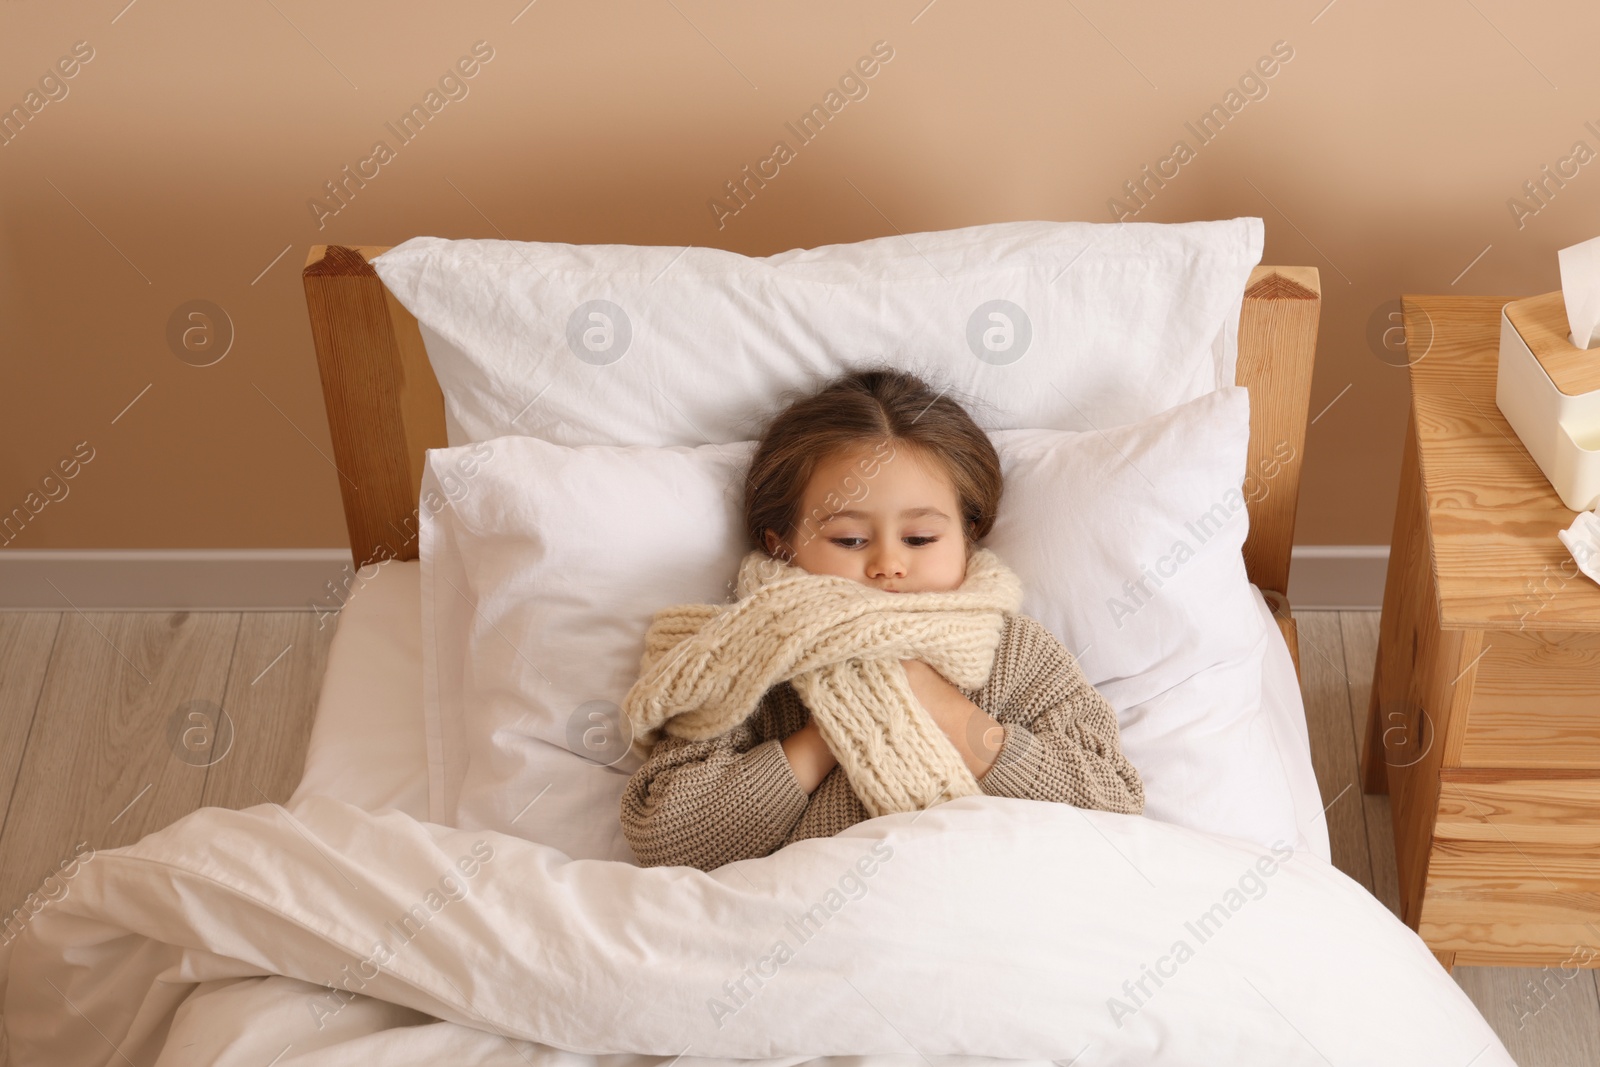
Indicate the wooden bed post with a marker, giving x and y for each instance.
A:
(384, 404)
(1277, 348)
(385, 408)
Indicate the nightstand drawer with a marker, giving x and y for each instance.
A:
(1535, 702)
(1514, 871)
(1523, 811)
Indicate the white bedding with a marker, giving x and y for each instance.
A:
(367, 745)
(985, 927)
(1056, 935)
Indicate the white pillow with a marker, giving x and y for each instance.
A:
(540, 579)
(1130, 542)
(1039, 322)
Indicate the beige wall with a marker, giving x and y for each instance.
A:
(181, 160)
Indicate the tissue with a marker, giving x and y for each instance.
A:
(1580, 288)
(1582, 539)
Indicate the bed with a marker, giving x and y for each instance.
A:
(356, 925)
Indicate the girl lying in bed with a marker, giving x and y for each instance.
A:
(825, 695)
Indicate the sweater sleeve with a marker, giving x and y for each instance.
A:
(706, 803)
(1061, 738)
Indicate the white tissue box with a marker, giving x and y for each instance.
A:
(1549, 391)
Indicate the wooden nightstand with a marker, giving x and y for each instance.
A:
(1484, 723)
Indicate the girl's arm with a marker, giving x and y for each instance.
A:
(1061, 741)
(809, 756)
(706, 803)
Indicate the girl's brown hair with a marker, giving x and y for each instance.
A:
(866, 407)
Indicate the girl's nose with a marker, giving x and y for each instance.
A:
(887, 564)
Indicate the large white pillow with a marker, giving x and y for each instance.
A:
(540, 579)
(1044, 324)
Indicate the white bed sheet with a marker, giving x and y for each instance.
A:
(368, 746)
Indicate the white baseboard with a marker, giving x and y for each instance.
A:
(1337, 577)
(186, 579)
(1322, 578)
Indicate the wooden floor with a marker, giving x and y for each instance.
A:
(99, 740)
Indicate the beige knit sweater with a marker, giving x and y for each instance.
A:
(734, 796)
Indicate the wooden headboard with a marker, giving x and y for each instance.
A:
(385, 408)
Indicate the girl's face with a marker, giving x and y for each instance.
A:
(899, 530)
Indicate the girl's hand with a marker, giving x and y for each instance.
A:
(976, 735)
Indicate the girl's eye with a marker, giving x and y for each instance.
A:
(850, 542)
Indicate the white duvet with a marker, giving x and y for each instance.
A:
(984, 927)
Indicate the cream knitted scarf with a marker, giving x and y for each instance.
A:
(838, 642)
